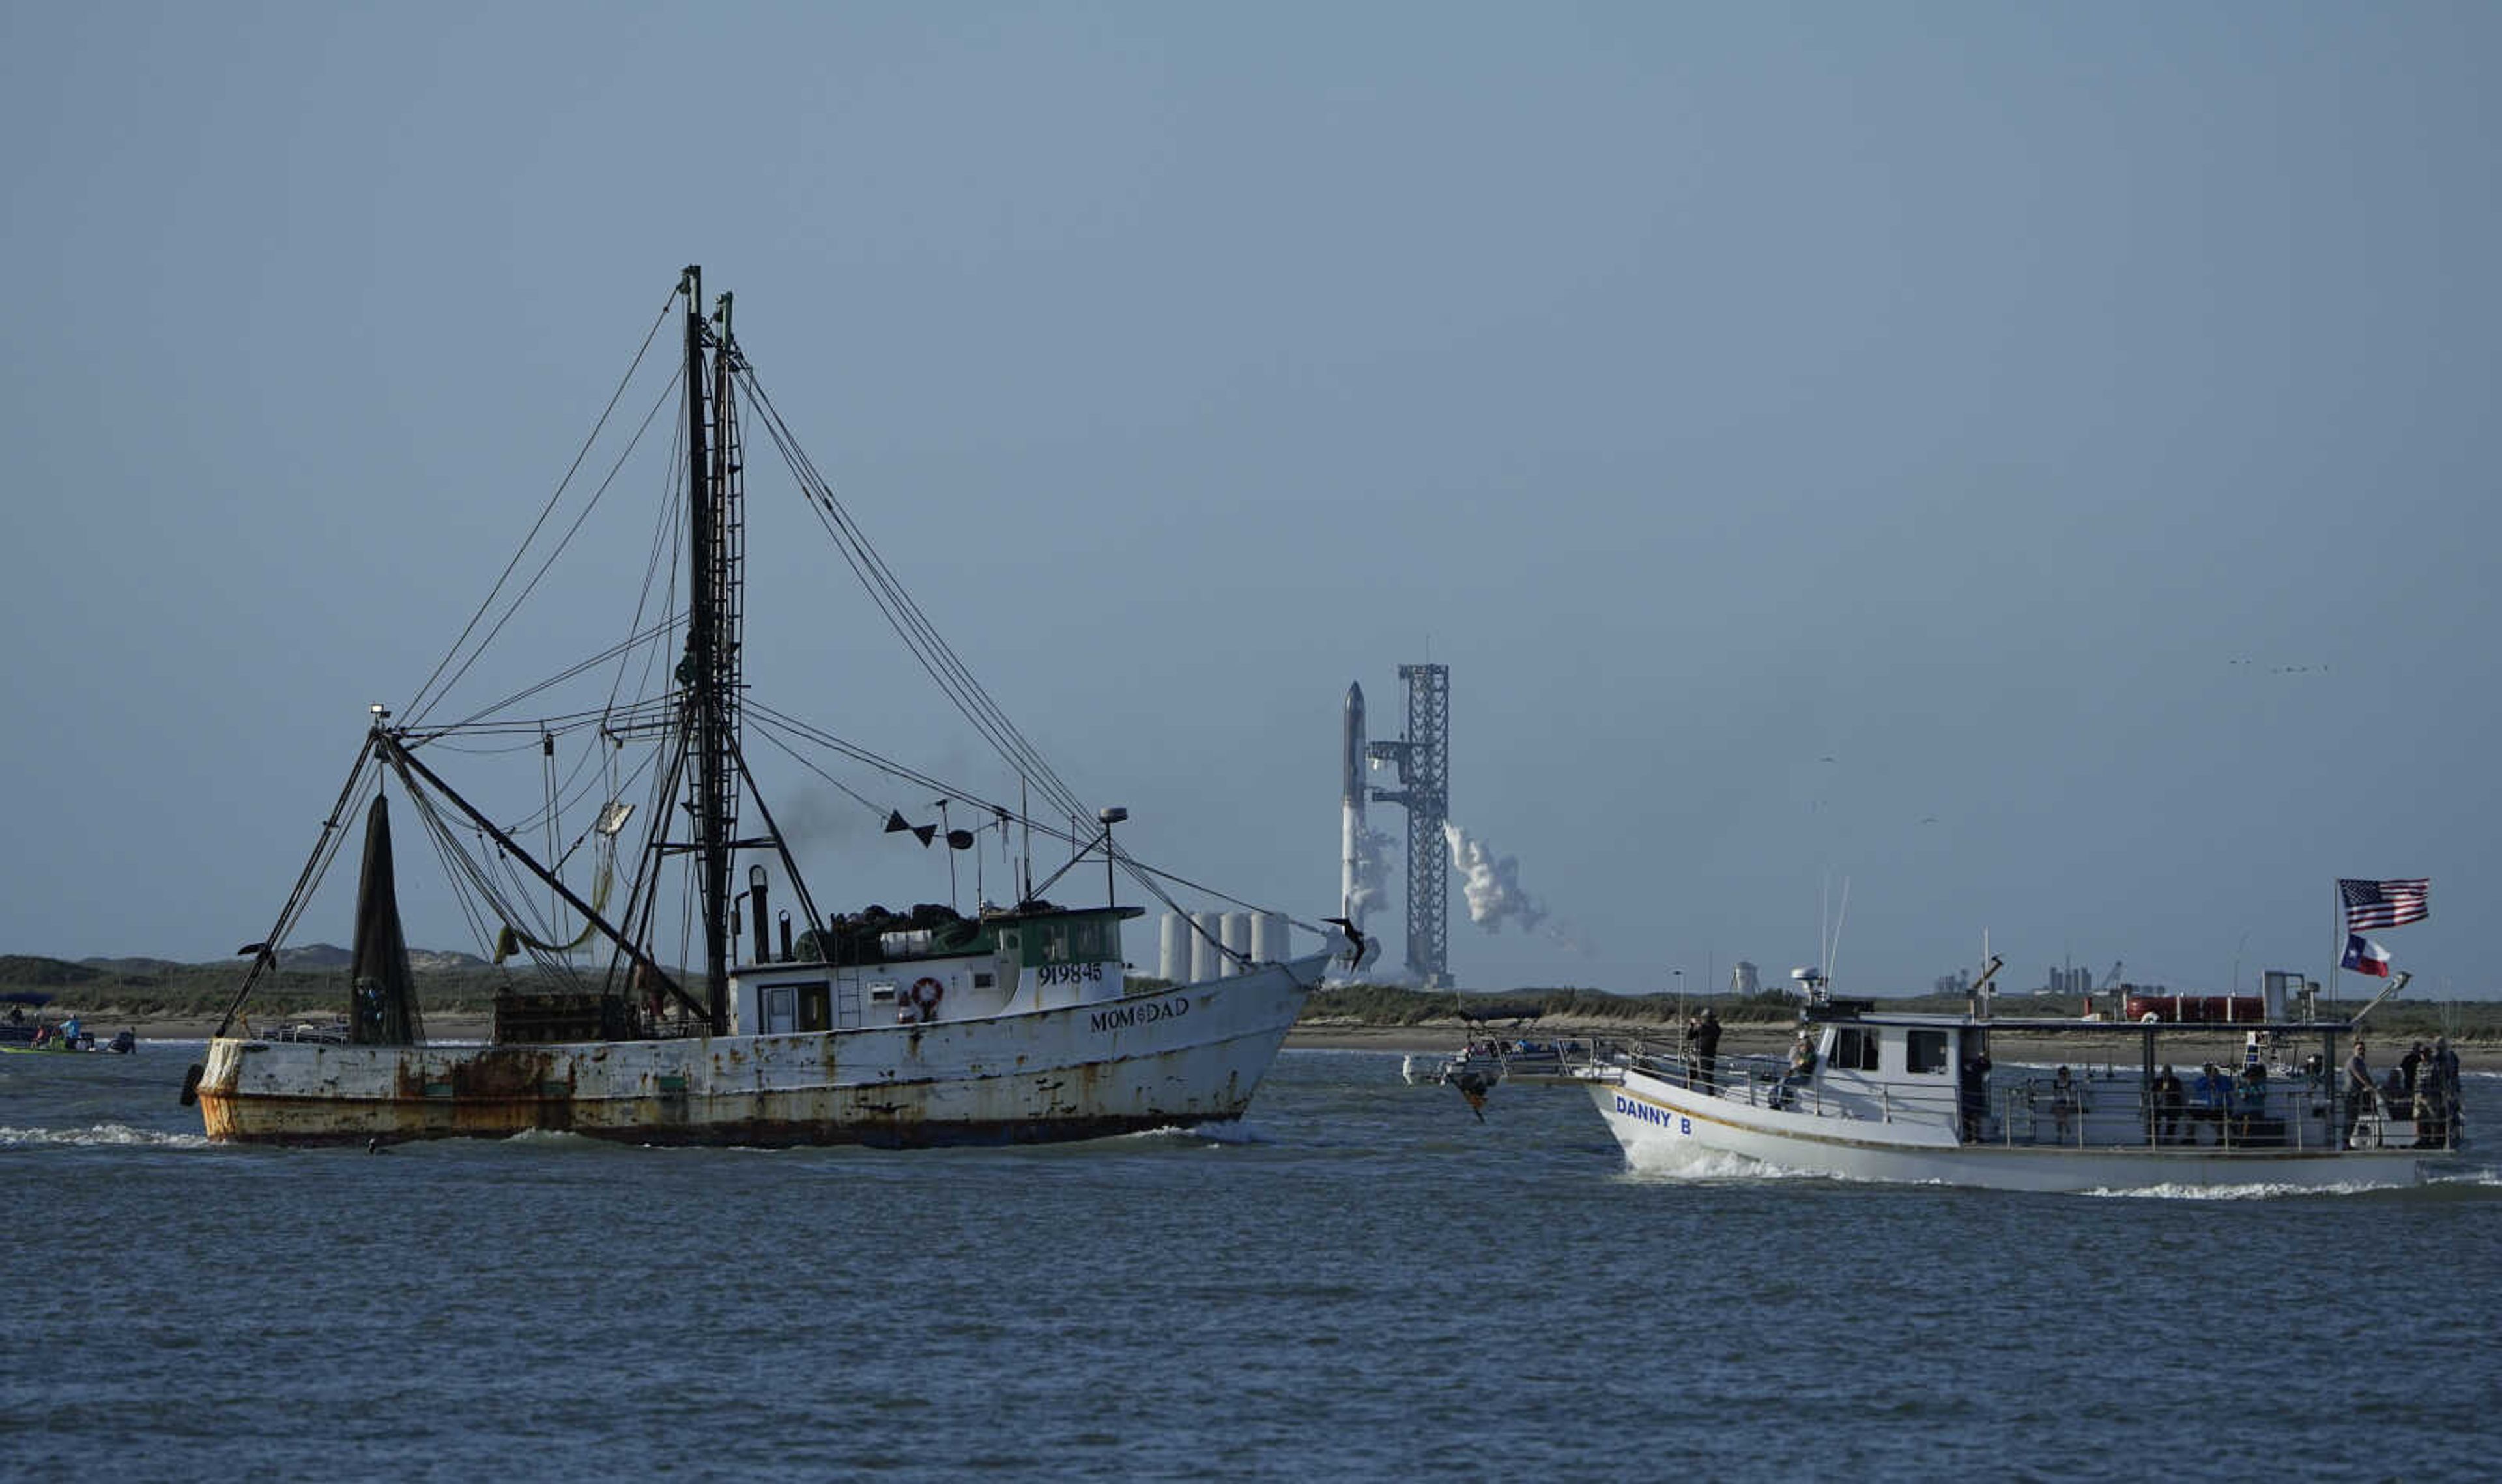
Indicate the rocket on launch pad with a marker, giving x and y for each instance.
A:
(1351, 810)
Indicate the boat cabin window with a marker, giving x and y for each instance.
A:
(795, 1007)
(1928, 1050)
(1078, 941)
(1854, 1049)
(881, 994)
(983, 979)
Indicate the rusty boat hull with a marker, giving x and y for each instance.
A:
(1175, 1058)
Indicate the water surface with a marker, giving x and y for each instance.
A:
(1361, 1281)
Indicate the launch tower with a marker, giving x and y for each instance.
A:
(1423, 757)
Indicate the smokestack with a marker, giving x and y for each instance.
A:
(1350, 802)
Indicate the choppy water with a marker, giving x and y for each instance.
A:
(1362, 1281)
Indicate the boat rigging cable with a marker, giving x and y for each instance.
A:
(903, 615)
(419, 703)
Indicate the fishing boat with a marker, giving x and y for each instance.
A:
(1492, 1061)
(2026, 1103)
(18, 1027)
(641, 1009)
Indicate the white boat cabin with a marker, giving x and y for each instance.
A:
(1937, 1069)
(999, 963)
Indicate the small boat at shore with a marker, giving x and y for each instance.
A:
(652, 1013)
(20, 1034)
(1977, 1101)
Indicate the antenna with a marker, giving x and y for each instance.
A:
(1832, 950)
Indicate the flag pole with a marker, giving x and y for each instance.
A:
(2337, 958)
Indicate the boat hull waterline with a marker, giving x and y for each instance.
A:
(1661, 1124)
(1176, 1058)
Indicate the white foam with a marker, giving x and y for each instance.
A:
(1696, 1162)
(1237, 1131)
(103, 1136)
(2257, 1190)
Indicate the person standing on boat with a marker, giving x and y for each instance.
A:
(2250, 1096)
(2208, 1096)
(2167, 1099)
(1706, 1050)
(2437, 1096)
(2063, 1103)
(2360, 1090)
(1801, 1067)
(1973, 1089)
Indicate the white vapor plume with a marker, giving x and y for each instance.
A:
(1494, 893)
(1493, 884)
(1372, 851)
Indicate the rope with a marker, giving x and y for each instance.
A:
(418, 704)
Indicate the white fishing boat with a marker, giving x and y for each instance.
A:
(2015, 1103)
(1495, 1061)
(928, 1027)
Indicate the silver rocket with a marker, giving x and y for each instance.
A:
(1351, 810)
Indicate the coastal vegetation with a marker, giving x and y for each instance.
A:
(315, 985)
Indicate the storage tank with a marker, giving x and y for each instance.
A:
(1173, 949)
(1268, 940)
(1237, 942)
(1202, 946)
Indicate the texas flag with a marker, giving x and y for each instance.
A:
(2364, 955)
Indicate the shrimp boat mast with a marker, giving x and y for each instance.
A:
(931, 1026)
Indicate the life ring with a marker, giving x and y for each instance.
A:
(926, 994)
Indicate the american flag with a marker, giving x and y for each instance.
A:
(2384, 903)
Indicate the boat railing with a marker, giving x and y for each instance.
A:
(2105, 1109)
(2120, 1111)
(1753, 1079)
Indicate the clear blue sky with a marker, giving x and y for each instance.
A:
(1958, 392)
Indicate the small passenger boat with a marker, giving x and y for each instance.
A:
(1494, 1061)
(2026, 1103)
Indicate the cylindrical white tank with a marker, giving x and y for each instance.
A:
(1237, 942)
(1173, 949)
(1268, 941)
(1202, 946)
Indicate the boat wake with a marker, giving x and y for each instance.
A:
(1239, 1131)
(101, 1136)
(1695, 1162)
(2256, 1190)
